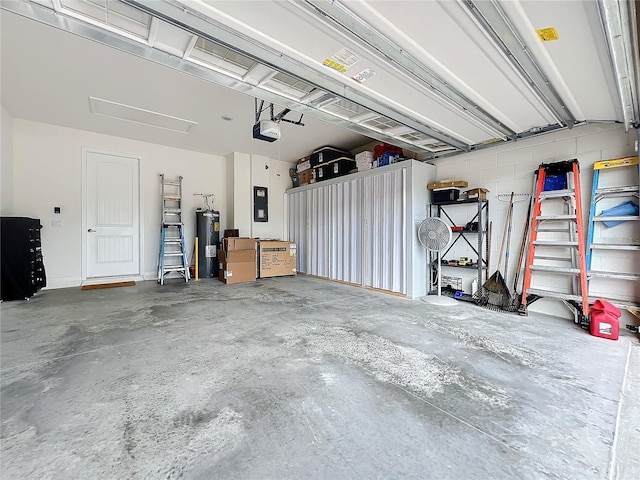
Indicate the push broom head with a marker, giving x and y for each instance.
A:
(494, 294)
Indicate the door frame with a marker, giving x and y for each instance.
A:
(83, 243)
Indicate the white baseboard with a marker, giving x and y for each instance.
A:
(64, 282)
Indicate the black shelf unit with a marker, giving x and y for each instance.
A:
(21, 268)
(481, 246)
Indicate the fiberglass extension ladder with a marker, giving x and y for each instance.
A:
(605, 251)
(561, 250)
(172, 256)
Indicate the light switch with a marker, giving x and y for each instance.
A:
(56, 209)
(56, 223)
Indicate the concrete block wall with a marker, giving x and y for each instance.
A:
(509, 168)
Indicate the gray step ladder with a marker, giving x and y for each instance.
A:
(621, 176)
(556, 242)
(172, 256)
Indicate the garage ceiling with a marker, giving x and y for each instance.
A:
(436, 77)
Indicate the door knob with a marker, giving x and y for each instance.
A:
(91, 230)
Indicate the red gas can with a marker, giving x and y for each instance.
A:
(604, 320)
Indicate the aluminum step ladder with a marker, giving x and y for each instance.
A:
(557, 242)
(622, 179)
(172, 256)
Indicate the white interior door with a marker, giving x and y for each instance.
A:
(112, 215)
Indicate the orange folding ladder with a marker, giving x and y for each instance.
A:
(557, 241)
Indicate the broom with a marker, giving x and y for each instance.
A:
(494, 293)
(517, 298)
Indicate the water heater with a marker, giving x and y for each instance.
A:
(208, 232)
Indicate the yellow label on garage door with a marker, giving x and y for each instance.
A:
(548, 34)
(335, 65)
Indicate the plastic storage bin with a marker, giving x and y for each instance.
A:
(555, 182)
(445, 195)
(327, 154)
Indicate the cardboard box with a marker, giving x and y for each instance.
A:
(453, 184)
(277, 258)
(237, 266)
(476, 193)
(238, 272)
(305, 176)
(301, 167)
(239, 243)
(237, 256)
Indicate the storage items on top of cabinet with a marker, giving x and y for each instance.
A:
(364, 161)
(329, 162)
(326, 154)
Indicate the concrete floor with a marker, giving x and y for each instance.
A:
(302, 378)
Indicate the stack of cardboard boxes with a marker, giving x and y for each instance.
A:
(304, 172)
(239, 262)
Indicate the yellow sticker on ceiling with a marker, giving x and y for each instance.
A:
(547, 34)
(335, 65)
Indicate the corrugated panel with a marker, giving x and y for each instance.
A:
(298, 226)
(346, 231)
(319, 227)
(354, 231)
(385, 231)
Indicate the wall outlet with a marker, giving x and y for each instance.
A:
(56, 223)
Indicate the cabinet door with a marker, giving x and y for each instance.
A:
(309, 227)
(297, 226)
(318, 229)
(346, 231)
(385, 231)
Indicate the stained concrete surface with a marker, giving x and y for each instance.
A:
(292, 378)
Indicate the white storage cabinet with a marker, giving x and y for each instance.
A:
(362, 228)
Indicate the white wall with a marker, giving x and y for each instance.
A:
(273, 174)
(47, 172)
(244, 171)
(6, 162)
(229, 195)
(240, 192)
(508, 168)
